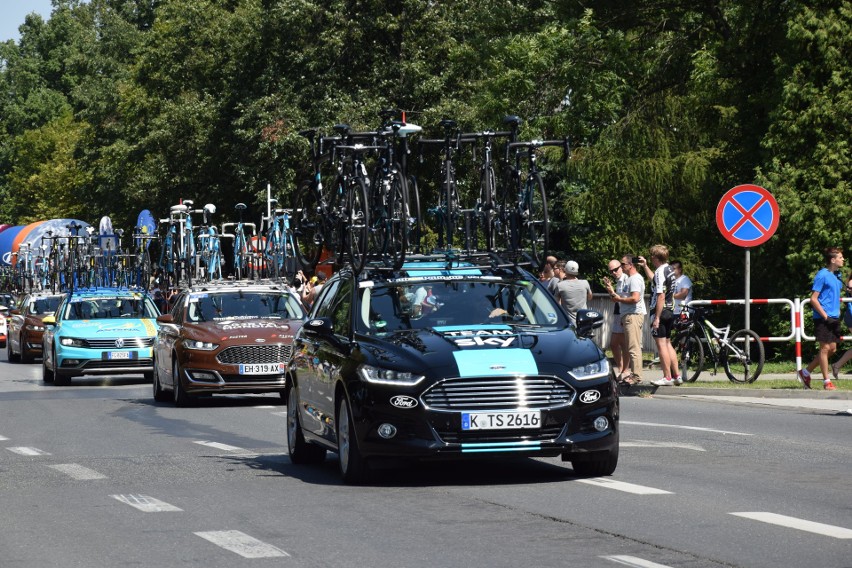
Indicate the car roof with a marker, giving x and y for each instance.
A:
(106, 292)
(452, 265)
(228, 286)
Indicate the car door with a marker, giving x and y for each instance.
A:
(16, 325)
(167, 336)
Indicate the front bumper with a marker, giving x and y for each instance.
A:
(76, 361)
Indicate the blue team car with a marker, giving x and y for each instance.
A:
(104, 331)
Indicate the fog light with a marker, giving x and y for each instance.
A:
(387, 431)
(70, 362)
(601, 423)
(204, 376)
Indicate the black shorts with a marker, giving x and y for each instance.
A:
(827, 331)
(666, 324)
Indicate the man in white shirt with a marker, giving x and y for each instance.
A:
(632, 315)
(682, 288)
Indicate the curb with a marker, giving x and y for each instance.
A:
(645, 389)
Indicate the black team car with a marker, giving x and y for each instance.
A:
(448, 359)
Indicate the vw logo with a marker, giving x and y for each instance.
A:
(119, 343)
(590, 396)
(402, 401)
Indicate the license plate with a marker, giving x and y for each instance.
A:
(111, 355)
(510, 420)
(261, 368)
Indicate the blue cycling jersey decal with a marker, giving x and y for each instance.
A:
(495, 362)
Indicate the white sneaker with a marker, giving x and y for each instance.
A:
(664, 382)
(678, 380)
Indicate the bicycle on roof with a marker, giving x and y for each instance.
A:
(245, 263)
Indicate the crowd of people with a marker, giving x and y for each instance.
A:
(670, 292)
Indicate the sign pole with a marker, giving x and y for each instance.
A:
(748, 288)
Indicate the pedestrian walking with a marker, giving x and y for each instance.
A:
(617, 343)
(572, 292)
(825, 301)
(633, 312)
(847, 319)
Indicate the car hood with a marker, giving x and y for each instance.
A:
(109, 328)
(484, 350)
(243, 330)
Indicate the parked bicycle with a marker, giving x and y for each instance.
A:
(696, 338)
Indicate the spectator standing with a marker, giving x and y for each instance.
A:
(548, 275)
(682, 288)
(617, 343)
(632, 316)
(572, 293)
(662, 315)
(825, 301)
(835, 368)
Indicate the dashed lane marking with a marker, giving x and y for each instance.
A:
(3, 438)
(625, 560)
(800, 524)
(624, 486)
(681, 427)
(242, 544)
(219, 446)
(146, 504)
(24, 451)
(77, 471)
(652, 444)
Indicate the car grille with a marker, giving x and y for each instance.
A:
(499, 393)
(118, 364)
(129, 343)
(255, 354)
(456, 437)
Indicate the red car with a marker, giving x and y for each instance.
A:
(25, 325)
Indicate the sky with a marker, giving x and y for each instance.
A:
(13, 12)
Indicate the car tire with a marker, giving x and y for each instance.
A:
(181, 397)
(59, 378)
(46, 374)
(159, 394)
(353, 466)
(10, 355)
(600, 467)
(300, 451)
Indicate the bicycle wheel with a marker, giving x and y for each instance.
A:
(307, 227)
(357, 224)
(691, 357)
(415, 226)
(398, 221)
(536, 230)
(488, 206)
(743, 358)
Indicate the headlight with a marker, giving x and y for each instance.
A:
(596, 370)
(72, 342)
(200, 345)
(387, 376)
(31, 327)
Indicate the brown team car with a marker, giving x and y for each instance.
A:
(25, 325)
(226, 338)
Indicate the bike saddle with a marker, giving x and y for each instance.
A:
(513, 120)
(447, 123)
(179, 208)
(342, 129)
(240, 206)
(309, 133)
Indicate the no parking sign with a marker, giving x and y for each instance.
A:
(747, 215)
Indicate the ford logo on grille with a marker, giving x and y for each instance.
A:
(119, 343)
(402, 401)
(590, 396)
(260, 340)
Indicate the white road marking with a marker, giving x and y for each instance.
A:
(146, 504)
(281, 413)
(264, 407)
(634, 561)
(800, 524)
(24, 451)
(685, 427)
(623, 486)
(77, 471)
(652, 444)
(3, 438)
(242, 544)
(219, 446)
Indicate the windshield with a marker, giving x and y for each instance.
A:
(392, 307)
(242, 305)
(45, 305)
(110, 308)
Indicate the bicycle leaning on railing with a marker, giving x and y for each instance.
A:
(696, 338)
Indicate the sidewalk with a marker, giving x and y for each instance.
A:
(815, 399)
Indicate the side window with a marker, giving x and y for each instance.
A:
(325, 303)
(341, 315)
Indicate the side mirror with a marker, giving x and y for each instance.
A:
(165, 318)
(318, 327)
(15, 312)
(587, 321)
(49, 321)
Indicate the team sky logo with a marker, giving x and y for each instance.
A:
(482, 337)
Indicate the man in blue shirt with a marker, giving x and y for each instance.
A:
(825, 300)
